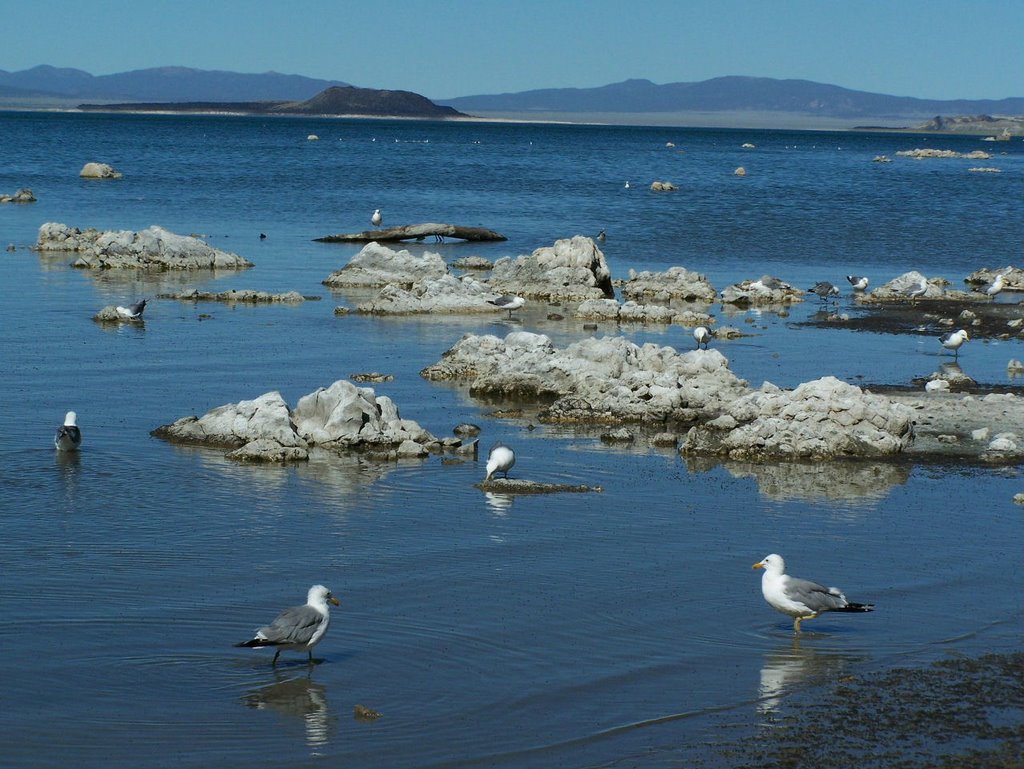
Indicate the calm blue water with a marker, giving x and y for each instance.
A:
(624, 628)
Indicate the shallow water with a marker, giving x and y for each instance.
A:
(570, 630)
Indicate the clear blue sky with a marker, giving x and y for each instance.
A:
(937, 49)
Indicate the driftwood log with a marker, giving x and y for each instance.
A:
(415, 232)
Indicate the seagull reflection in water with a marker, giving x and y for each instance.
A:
(299, 698)
(789, 667)
(499, 504)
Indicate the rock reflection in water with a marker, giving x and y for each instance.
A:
(298, 698)
(848, 480)
(791, 666)
(340, 474)
(117, 284)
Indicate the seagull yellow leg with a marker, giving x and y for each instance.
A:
(798, 620)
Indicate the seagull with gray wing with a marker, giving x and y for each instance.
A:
(299, 628)
(801, 599)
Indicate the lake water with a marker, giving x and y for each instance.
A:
(624, 628)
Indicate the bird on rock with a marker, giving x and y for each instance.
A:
(132, 312)
(859, 282)
(500, 460)
(702, 335)
(68, 437)
(954, 340)
(298, 628)
(800, 598)
(376, 219)
(993, 288)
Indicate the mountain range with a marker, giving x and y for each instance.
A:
(51, 86)
(729, 94)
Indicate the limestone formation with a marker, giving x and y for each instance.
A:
(673, 283)
(472, 263)
(1013, 277)
(240, 296)
(909, 287)
(933, 153)
(663, 187)
(611, 310)
(443, 294)
(594, 381)
(153, 248)
(340, 417)
(24, 195)
(99, 171)
(819, 419)
(572, 269)
(377, 265)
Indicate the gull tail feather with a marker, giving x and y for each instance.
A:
(255, 643)
(858, 607)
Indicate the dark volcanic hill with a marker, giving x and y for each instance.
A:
(336, 100)
(733, 93)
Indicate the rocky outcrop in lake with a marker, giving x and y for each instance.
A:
(153, 248)
(340, 417)
(765, 291)
(818, 419)
(99, 171)
(594, 381)
(633, 312)
(673, 283)
(24, 195)
(572, 270)
(444, 294)
(239, 296)
(377, 265)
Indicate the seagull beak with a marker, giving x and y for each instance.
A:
(758, 565)
(334, 600)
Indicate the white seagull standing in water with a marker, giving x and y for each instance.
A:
(859, 282)
(800, 598)
(508, 302)
(133, 312)
(68, 437)
(953, 340)
(299, 628)
(376, 219)
(499, 460)
(702, 335)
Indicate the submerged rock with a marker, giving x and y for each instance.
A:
(152, 248)
(573, 269)
(377, 265)
(822, 418)
(265, 429)
(673, 283)
(99, 171)
(24, 195)
(244, 296)
(111, 314)
(519, 486)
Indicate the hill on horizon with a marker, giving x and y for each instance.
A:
(159, 84)
(729, 94)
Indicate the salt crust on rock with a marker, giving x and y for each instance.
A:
(609, 309)
(152, 248)
(339, 417)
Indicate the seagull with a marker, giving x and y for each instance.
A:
(953, 340)
(993, 288)
(376, 219)
(508, 302)
(68, 437)
(799, 598)
(627, 185)
(299, 628)
(824, 290)
(133, 312)
(770, 283)
(702, 335)
(859, 282)
(919, 291)
(499, 460)
(600, 236)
